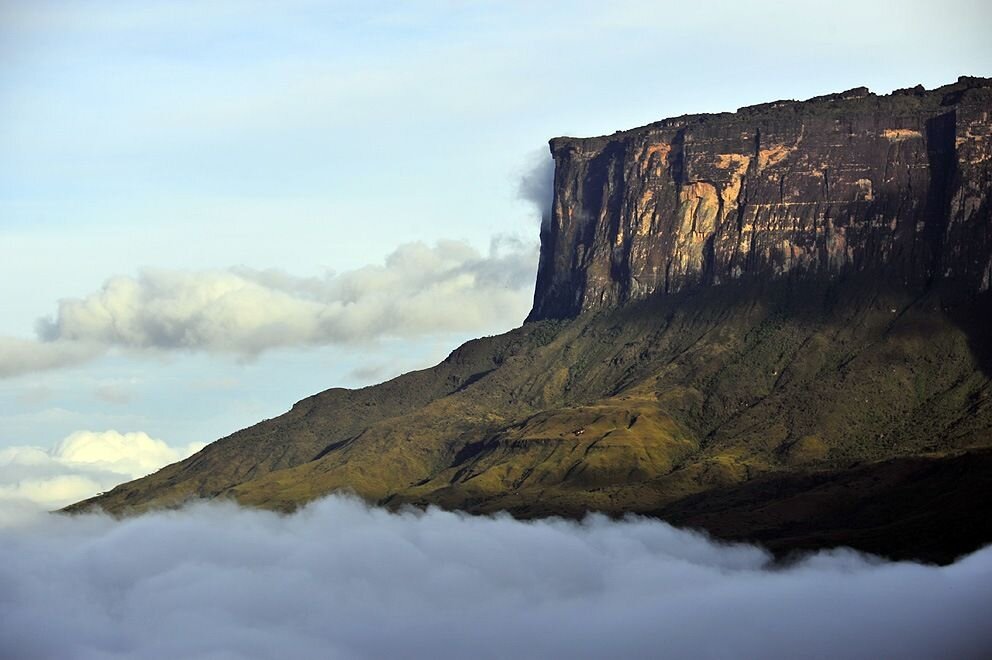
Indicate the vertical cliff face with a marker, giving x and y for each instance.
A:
(896, 185)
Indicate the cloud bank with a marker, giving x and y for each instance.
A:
(341, 580)
(80, 466)
(419, 290)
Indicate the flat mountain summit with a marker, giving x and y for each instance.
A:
(773, 325)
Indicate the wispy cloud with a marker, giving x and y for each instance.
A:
(117, 393)
(537, 185)
(18, 356)
(339, 579)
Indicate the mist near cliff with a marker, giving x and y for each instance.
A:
(340, 579)
(537, 185)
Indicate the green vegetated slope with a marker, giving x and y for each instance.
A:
(647, 408)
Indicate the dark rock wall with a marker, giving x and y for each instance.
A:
(898, 185)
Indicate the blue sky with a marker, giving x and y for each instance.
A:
(262, 148)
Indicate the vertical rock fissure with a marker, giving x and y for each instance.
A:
(941, 155)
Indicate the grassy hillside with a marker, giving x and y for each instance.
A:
(644, 408)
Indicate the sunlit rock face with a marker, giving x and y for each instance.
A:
(897, 185)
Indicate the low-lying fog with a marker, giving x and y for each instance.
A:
(339, 579)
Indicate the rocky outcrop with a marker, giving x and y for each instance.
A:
(897, 185)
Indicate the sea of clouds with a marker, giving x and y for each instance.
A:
(341, 580)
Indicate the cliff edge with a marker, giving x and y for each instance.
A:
(896, 185)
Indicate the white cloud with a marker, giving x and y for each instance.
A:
(342, 580)
(80, 466)
(131, 454)
(18, 356)
(420, 290)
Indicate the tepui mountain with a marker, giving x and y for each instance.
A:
(773, 325)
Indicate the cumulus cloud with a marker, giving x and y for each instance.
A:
(341, 580)
(419, 290)
(80, 466)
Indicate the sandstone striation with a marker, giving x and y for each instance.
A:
(897, 185)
